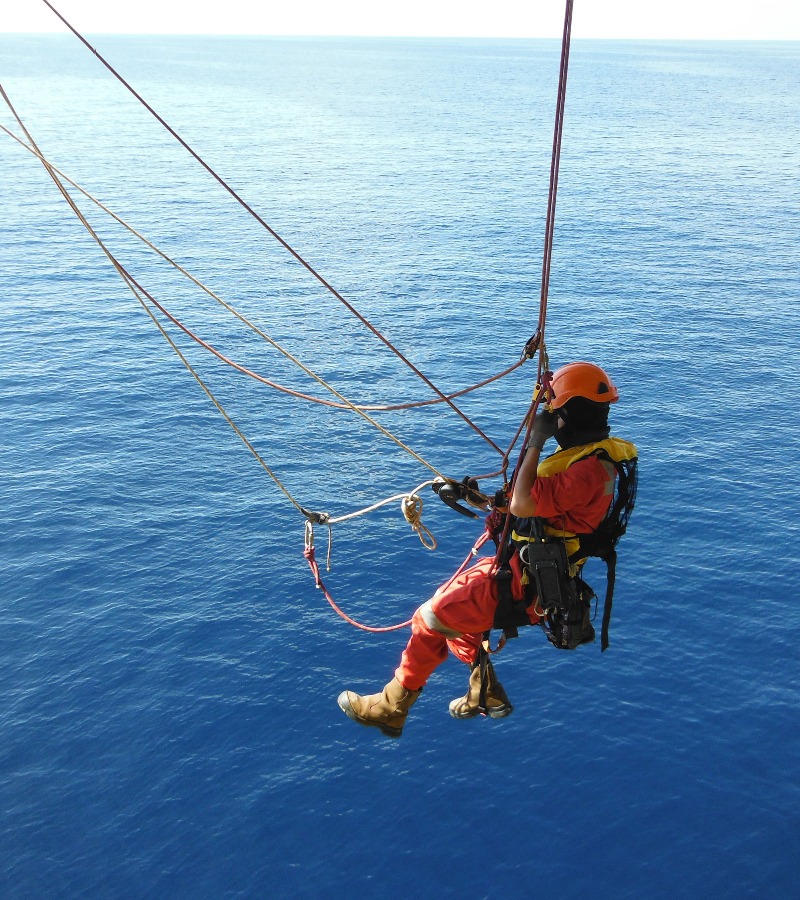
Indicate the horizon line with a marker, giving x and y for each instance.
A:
(421, 37)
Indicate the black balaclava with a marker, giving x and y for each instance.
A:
(586, 422)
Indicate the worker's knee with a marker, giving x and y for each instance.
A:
(431, 620)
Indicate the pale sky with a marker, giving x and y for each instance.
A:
(650, 19)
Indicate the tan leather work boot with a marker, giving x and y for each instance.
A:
(497, 702)
(387, 710)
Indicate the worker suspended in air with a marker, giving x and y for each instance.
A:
(573, 504)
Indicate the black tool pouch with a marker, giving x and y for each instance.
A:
(563, 599)
(546, 562)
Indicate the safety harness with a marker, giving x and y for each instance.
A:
(553, 559)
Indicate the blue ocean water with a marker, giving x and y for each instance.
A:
(170, 672)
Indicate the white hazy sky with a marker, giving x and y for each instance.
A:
(657, 19)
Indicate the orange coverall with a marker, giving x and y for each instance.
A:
(574, 500)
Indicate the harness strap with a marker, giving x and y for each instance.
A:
(483, 664)
(611, 577)
(506, 611)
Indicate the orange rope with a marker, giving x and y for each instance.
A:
(554, 167)
(543, 387)
(527, 353)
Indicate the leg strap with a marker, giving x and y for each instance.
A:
(483, 664)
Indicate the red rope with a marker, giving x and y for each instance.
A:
(546, 391)
(306, 265)
(310, 556)
(312, 562)
(544, 374)
(472, 554)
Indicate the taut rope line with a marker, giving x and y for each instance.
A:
(300, 395)
(140, 292)
(543, 385)
(306, 265)
(554, 167)
(543, 389)
(411, 503)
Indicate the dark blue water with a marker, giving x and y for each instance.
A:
(169, 671)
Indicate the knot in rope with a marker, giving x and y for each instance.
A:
(412, 510)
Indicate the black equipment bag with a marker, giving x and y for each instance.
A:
(564, 599)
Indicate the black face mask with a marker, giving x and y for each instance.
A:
(563, 435)
(585, 422)
(567, 438)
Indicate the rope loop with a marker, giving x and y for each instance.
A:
(309, 538)
(486, 644)
(411, 504)
(412, 510)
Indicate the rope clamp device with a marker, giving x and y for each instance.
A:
(529, 350)
(317, 518)
(450, 492)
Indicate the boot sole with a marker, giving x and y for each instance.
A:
(347, 709)
(467, 714)
(499, 712)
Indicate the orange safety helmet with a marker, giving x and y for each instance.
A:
(582, 379)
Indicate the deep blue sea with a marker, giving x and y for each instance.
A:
(168, 670)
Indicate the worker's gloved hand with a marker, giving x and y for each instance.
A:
(544, 427)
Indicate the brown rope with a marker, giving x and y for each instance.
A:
(543, 389)
(554, 167)
(306, 265)
(414, 404)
